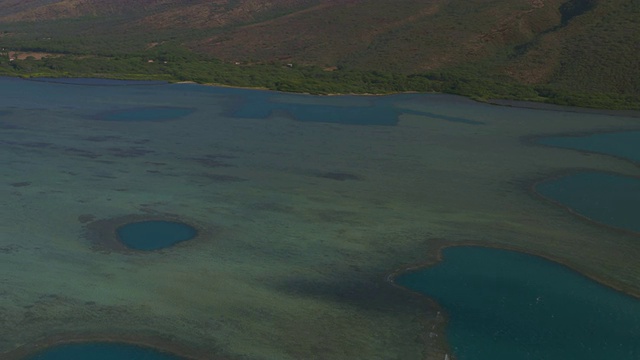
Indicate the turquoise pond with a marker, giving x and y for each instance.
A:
(101, 351)
(154, 235)
(508, 305)
(607, 198)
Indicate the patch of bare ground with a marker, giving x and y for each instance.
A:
(29, 54)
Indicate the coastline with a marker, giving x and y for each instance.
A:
(505, 102)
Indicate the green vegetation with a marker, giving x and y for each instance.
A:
(182, 65)
(573, 52)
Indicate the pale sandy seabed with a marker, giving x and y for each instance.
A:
(301, 222)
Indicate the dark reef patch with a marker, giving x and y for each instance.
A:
(20, 184)
(80, 152)
(9, 249)
(370, 295)
(214, 161)
(445, 117)
(338, 216)
(339, 176)
(27, 144)
(273, 207)
(130, 152)
(223, 178)
(101, 138)
(4, 126)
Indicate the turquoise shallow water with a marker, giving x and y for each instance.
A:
(154, 235)
(621, 144)
(607, 198)
(508, 305)
(101, 351)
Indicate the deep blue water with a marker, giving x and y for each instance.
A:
(508, 305)
(154, 235)
(101, 351)
(621, 144)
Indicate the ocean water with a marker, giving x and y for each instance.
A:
(303, 204)
(507, 305)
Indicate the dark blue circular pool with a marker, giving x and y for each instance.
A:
(155, 234)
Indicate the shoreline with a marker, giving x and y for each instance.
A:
(523, 104)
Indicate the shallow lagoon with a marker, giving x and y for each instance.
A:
(310, 213)
(507, 305)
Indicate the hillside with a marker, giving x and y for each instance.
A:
(581, 52)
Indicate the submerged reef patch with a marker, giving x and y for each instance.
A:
(135, 233)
